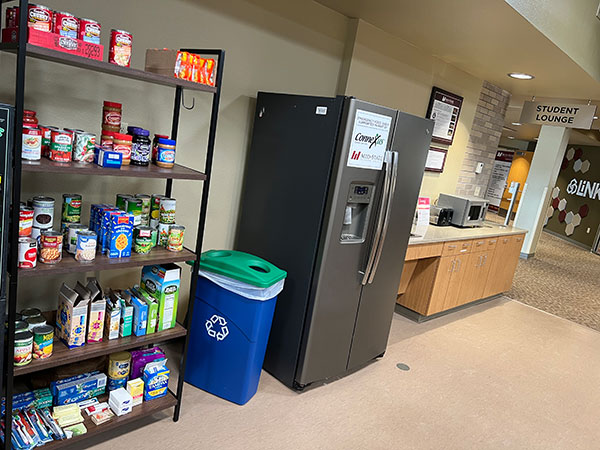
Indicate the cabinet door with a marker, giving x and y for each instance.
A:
(440, 287)
(498, 270)
(456, 281)
(513, 253)
(483, 274)
(472, 285)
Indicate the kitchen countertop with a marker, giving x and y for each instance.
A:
(429, 234)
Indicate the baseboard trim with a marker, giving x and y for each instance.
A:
(416, 317)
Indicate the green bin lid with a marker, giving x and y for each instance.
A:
(242, 267)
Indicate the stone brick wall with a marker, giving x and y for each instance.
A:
(483, 140)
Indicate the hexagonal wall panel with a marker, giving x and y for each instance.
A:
(584, 210)
(585, 166)
(569, 229)
(577, 165)
(578, 153)
(569, 217)
(562, 204)
(576, 220)
(570, 154)
(555, 192)
(555, 203)
(550, 212)
(561, 216)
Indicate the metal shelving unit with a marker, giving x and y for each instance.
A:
(12, 188)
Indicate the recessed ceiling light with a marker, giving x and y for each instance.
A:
(521, 76)
(517, 124)
(511, 137)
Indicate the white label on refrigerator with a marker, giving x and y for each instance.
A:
(321, 111)
(369, 140)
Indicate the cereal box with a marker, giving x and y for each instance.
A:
(120, 235)
(71, 316)
(113, 319)
(162, 283)
(96, 312)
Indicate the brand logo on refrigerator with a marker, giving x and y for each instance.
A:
(355, 156)
(371, 140)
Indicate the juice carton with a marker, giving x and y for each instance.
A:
(96, 312)
(120, 236)
(156, 380)
(71, 316)
(162, 282)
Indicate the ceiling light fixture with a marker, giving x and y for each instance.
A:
(517, 124)
(521, 76)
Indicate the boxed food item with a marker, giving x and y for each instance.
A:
(96, 311)
(126, 313)
(120, 235)
(120, 401)
(156, 380)
(181, 64)
(71, 316)
(108, 158)
(136, 390)
(162, 282)
(140, 314)
(113, 318)
(152, 308)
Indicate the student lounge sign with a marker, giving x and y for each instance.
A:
(558, 115)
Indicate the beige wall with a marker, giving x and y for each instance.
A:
(296, 48)
(392, 72)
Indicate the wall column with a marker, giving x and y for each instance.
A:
(543, 173)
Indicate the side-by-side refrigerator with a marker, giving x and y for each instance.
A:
(330, 192)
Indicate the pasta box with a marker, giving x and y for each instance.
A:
(96, 312)
(120, 235)
(72, 313)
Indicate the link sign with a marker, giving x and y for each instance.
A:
(558, 115)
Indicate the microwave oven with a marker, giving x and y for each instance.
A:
(467, 211)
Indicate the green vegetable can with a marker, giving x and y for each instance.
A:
(142, 239)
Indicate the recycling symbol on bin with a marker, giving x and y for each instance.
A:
(213, 324)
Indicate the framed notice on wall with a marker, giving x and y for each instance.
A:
(444, 109)
(436, 159)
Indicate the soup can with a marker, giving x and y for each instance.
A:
(155, 209)
(167, 210)
(143, 239)
(39, 17)
(71, 208)
(51, 247)
(83, 147)
(89, 31)
(163, 234)
(86, 246)
(66, 24)
(33, 322)
(146, 199)
(30, 312)
(120, 48)
(118, 365)
(74, 228)
(25, 221)
(21, 325)
(43, 212)
(31, 149)
(134, 206)
(46, 138)
(23, 348)
(175, 239)
(27, 253)
(43, 341)
(61, 145)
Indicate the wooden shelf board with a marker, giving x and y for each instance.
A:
(144, 410)
(68, 59)
(158, 255)
(61, 356)
(152, 171)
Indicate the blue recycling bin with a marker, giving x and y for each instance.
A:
(233, 310)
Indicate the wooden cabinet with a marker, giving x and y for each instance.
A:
(443, 276)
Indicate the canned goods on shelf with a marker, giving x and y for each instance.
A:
(146, 199)
(163, 234)
(51, 247)
(86, 246)
(119, 364)
(30, 312)
(23, 348)
(25, 221)
(143, 239)
(120, 48)
(27, 253)
(33, 322)
(83, 147)
(43, 337)
(175, 239)
(71, 208)
(66, 24)
(61, 145)
(43, 212)
(165, 153)
(73, 229)
(21, 325)
(31, 148)
(155, 209)
(89, 31)
(39, 17)
(167, 210)
(135, 206)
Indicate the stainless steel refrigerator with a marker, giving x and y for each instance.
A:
(329, 195)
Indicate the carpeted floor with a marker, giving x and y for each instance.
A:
(562, 279)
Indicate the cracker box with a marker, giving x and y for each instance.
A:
(162, 282)
(120, 235)
(96, 313)
(72, 314)
(156, 380)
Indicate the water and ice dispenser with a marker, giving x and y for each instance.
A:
(357, 213)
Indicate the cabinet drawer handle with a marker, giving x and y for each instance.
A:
(451, 247)
(493, 242)
(451, 269)
(459, 261)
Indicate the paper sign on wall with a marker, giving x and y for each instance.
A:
(369, 140)
(423, 211)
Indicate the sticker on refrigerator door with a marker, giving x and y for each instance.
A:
(216, 327)
(321, 111)
(369, 140)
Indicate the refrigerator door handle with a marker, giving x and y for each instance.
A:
(391, 160)
(380, 219)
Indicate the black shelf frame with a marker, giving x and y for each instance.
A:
(12, 182)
